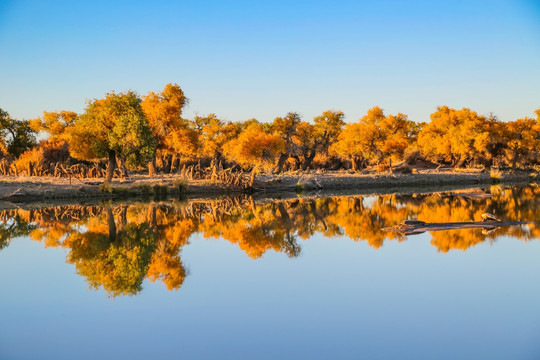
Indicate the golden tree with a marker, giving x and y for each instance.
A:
(54, 124)
(111, 127)
(163, 111)
(454, 135)
(328, 126)
(254, 147)
(523, 139)
(286, 128)
(375, 137)
(214, 133)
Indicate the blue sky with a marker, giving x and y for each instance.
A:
(244, 59)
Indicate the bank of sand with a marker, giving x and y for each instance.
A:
(27, 189)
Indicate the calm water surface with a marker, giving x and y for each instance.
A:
(303, 278)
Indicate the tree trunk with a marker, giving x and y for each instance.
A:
(152, 167)
(354, 163)
(297, 162)
(281, 161)
(175, 164)
(308, 159)
(167, 166)
(123, 169)
(111, 166)
(461, 161)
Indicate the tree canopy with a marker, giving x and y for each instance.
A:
(16, 136)
(149, 133)
(111, 127)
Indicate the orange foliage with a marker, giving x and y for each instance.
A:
(254, 147)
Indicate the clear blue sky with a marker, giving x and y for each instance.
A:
(244, 59)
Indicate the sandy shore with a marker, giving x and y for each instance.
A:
(26, 189)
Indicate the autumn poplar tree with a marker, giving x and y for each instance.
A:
(163, 111)
(54, 124)
(522, 139)
(455, 135)
(316, 138)
(375, 137)
(328, 126)
(113, 127)
(286, 128)
(214, 133)
(254, 147)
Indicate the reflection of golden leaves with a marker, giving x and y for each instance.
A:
(150, 237)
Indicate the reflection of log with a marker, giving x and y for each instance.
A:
(408, 227)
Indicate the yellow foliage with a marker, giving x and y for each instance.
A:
(182, 142)
(163, 112)
(54, 123)
(457, 134)
(254, 147)
(375, 136)
(33, 156)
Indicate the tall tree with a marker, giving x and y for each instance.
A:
(111, 127)
(457, 135)
(328, 126)
(254, 147)
(313, 139)
(214, 133)
(163, 111)
(286, 128)
(522, 139)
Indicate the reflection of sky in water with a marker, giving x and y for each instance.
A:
(338, 299)
(368, 201)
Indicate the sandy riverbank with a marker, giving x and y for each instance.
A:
(26, 189)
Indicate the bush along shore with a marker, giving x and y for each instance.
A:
(27, 189)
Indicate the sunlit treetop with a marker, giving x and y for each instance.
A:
(114, 124)
(54, 123)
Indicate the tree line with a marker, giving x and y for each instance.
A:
(148, 133)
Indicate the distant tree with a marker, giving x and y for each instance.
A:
(254, 147)
(54, 124)
(399, 133)
(111, 127)
(328, 126)
(16, 136)
(286, 128)
(307, 143)
(375, 137)
(163, 111)
(214, 133)
(459, 135)
(351, 146)
(522, 139)
(183, 142)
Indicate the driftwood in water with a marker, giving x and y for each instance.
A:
(411, 227)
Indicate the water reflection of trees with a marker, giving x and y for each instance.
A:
(118, 246)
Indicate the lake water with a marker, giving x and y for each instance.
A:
(297, 278)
